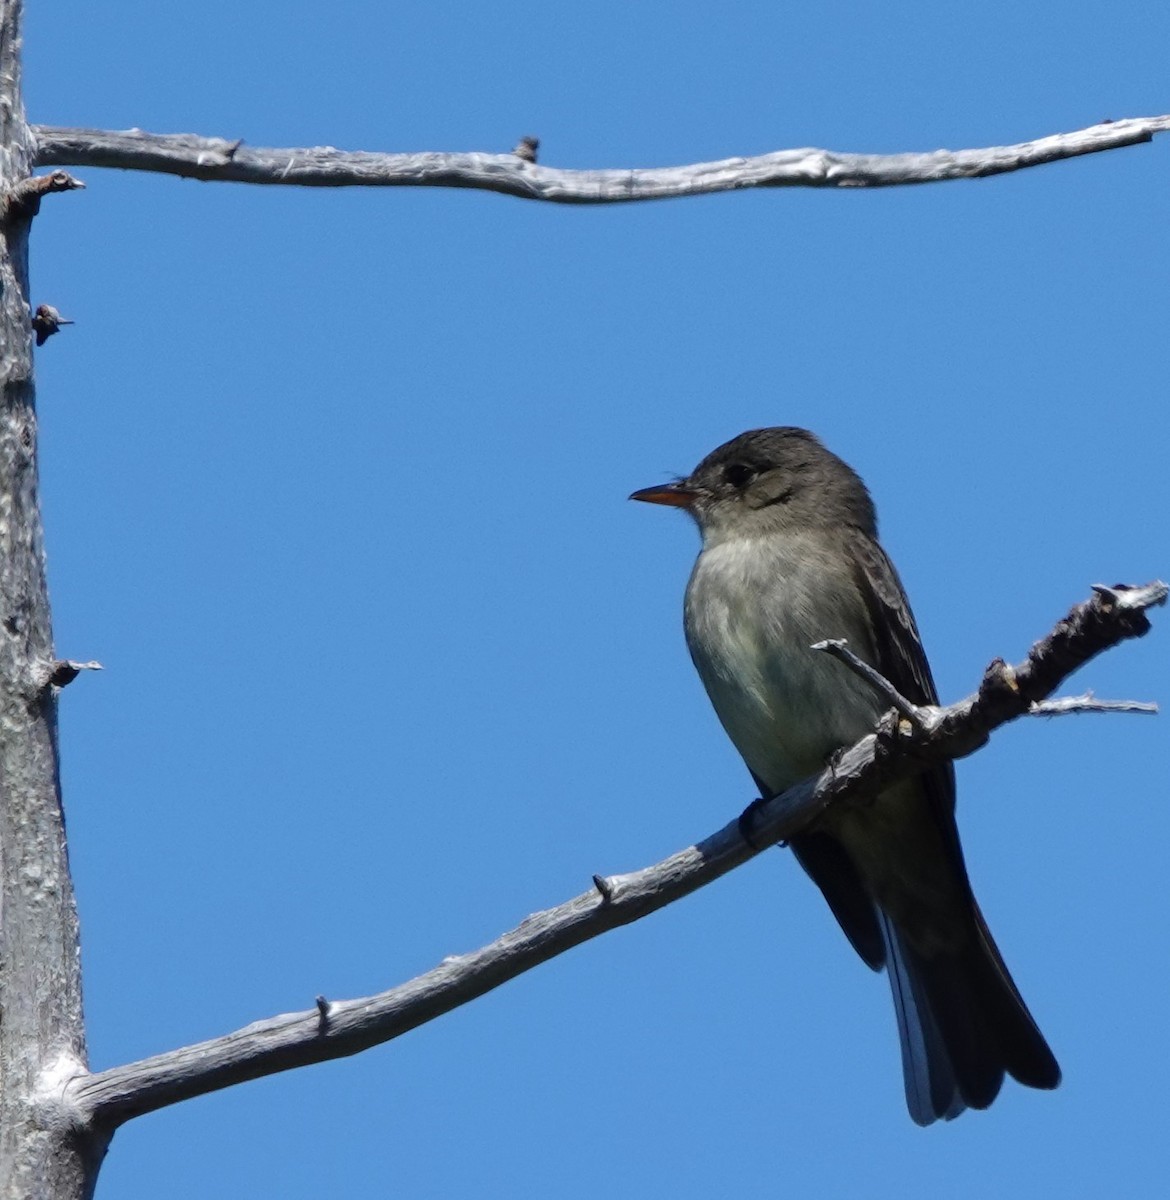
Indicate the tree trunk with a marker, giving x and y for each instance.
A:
(42, 1040)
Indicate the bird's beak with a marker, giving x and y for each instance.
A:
(677, 495)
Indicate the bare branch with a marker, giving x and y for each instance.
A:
(197, 157)
(111, 1097)
(838, 648)
(1089, 703)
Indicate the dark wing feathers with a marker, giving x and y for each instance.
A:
(832, 870)
(897, 645)
(899, 656)
(961, 1020)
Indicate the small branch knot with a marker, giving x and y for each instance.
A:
(999, 677)
(64, 671)
(998, 696)
(527, 148)
(24, 200)
(46, 322)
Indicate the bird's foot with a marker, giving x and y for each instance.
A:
(747, 821)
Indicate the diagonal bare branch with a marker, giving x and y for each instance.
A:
(339, 1028)
(516, 174)
(838, 648)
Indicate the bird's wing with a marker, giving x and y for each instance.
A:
(898, 653)
(961, 1019)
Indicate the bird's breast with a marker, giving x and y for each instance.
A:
(754, 606)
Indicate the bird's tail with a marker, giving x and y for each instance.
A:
(962, 1025)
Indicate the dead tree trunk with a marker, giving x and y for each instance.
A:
(56, 1118)
(42, 1040)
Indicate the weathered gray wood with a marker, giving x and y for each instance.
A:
(1088, 703)
(55, 1117)
(41, 1035)
(333, 1030)
(197, 157)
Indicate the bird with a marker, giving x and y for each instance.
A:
(790, 556)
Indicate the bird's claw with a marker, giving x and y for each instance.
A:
(747, 820)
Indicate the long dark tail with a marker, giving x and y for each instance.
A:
(962, 1025)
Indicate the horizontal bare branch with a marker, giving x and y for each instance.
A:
(516, 174)
(338, 1028)
(1088, 703)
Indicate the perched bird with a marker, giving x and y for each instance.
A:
(790, 556)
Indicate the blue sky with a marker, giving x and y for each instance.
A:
(335, 488)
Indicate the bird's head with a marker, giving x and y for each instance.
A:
(768, 480)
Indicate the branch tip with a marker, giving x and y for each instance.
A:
(604, 888)
(1131, 596)
(1089, 703)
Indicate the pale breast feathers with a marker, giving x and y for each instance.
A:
(753, 609)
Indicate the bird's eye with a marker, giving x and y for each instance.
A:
(738, 474)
